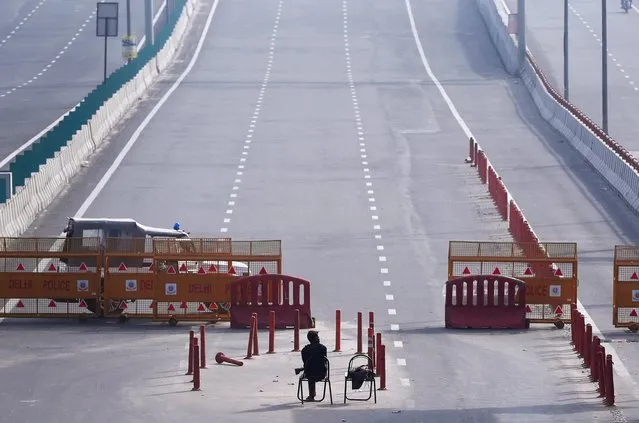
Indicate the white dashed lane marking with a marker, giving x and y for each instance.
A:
(256, 113)
(614, 59)
(366, 170)
(21, 23)
(53, 61)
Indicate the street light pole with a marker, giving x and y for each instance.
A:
(128, 23)
(604, 66)
(521, 32)
(566, 74)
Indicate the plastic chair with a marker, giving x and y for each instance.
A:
(370, 377)
(326, 381)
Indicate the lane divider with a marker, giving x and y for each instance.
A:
(611, 160)
(54, 60)
(43, 186)
(370, 192)
(612, 57)
(248, 139)
(21, 23)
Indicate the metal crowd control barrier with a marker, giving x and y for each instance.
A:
(486, 301)
(181, 279)
(285, 295)
(550, 273)
(129, 280)
(49, 277)
(625, 297)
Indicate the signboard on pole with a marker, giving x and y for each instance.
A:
(107, 25)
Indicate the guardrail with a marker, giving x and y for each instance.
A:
(610, 159)
(44, 170)
(51, 143)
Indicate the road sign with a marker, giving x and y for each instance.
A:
(107, 20)
(107, 25)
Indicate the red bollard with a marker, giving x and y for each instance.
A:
(602, 371)
(588, 345)
(191, 336)
(359, 332)
(256, 349)
(202, 347)
(573, 322)
(381, 353)
(338, 331)
(371, 347)
(475, 155)
(221, 358)
(196, 366)
(249, 351)
(271, 332)
(296, 334)
(371, 333)
(471, 153)
(582, 335)
(610, 384)
(378, 342)
(594, 368)
(371, 320)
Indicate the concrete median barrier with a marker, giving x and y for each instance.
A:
(47, 180)
(613, 162)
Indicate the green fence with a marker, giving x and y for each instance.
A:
(29, 161)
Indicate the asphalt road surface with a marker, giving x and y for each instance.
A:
(50, 58)
(545, 20)
(316, 123)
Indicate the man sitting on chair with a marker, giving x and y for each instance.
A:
(313, 356)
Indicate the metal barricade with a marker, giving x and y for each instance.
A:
(49, 277)
(193, 276)
(625, 297)
(548, 269)
(129, 279)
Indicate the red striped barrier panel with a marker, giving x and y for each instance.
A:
(486, 301)
(285, 295)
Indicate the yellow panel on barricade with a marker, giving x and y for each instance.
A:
(43, 277)
(625, 297)
(180, 279)
(129, 279)
(549, 270)
(193, 275)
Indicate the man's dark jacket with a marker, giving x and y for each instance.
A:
(313, 357)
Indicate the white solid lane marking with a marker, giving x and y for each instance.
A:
(136, 135)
